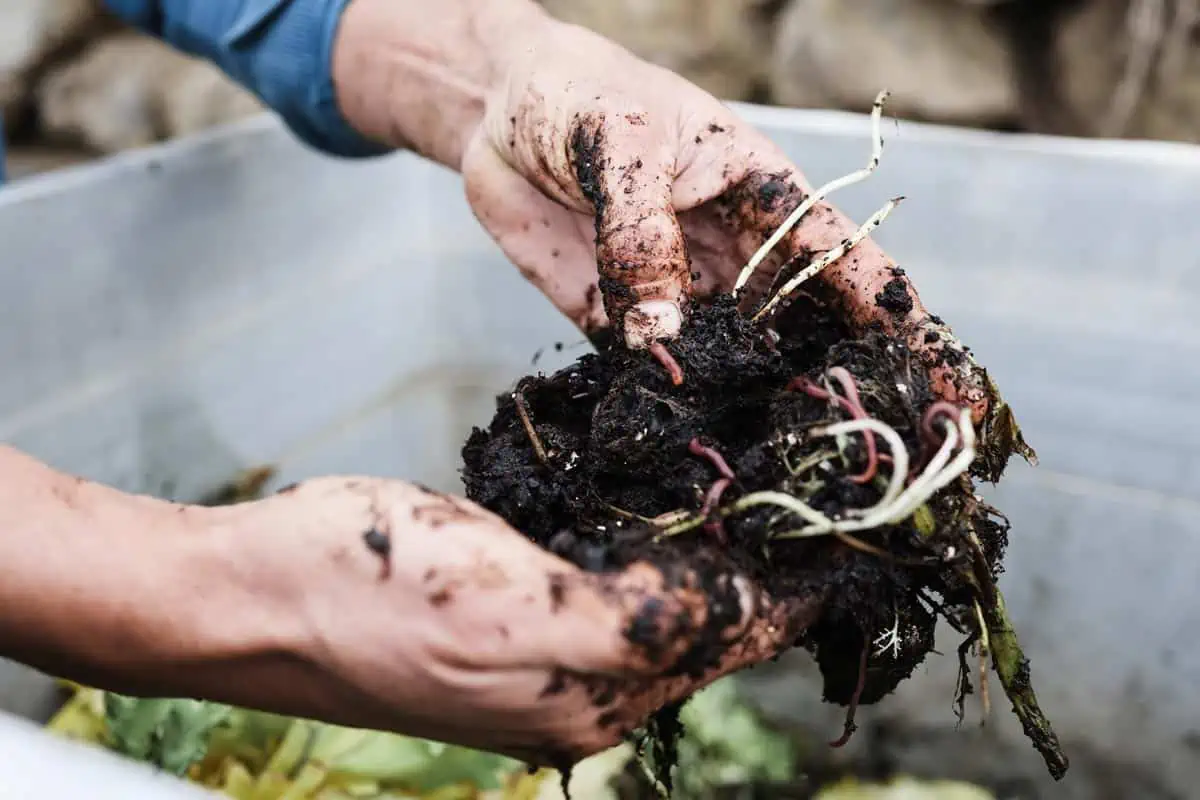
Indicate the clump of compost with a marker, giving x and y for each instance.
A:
(813, 458)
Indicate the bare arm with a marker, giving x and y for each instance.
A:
(410, 78)
(281, 605)
(118, 589)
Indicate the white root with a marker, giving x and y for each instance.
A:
(829, 257)
(899, 453)
(939, 472)
(889, 639)
(918, 491)
(820, 194)
(788, 503)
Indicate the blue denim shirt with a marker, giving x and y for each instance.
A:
(281, 50)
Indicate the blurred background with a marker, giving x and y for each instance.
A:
(75, 83)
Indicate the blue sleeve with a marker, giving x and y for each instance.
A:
(281, 50)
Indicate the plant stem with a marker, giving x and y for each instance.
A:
(1011, 665)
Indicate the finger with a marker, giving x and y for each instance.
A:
(754, 194)
(625, 165)
(549, 243)
(544, 613)
(598, 711)
(777, 629)
(872, 289)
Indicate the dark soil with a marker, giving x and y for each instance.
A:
(618, 448)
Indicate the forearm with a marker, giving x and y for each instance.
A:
(355, 77)
(119, 590)
(416, 79)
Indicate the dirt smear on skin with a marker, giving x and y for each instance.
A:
(608, 461)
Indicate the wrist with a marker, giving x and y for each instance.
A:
(416, 80)
(127, 592)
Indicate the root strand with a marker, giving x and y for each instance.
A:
(831, 256)
(523, 412)
(820, 194)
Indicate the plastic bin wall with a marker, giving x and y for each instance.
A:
(174, 315)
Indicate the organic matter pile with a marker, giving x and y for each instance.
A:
(251, 755)
(813, 458)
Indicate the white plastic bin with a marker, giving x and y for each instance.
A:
(174, 315)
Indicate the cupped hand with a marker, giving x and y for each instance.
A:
(590, 157)
(429, 616)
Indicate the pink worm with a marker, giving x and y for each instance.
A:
(851, 404)
(929, 437)
(713, 497)
(664, 357)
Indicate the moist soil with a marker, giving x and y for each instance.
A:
(615, 445)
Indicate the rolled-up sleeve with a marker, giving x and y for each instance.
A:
(281, 50)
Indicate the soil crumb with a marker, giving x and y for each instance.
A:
(607, 461)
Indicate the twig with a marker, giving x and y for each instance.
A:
(523, 412)
(855, 543)
(620, 512)
(984, 651)
(831, 256)
(820, 194)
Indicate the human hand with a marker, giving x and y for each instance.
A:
(589, 156)
(464, 631)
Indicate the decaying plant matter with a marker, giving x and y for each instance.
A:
(819, 459)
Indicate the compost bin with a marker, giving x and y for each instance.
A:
(175, 315)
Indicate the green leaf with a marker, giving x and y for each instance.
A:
(168, 733)
(726, 742)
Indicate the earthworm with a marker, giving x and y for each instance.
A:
(713, 497)
(664, 357)
(850, 727)
(843, 376)
(717, 460)
(928, 436)
(711, 500)
(851, 405)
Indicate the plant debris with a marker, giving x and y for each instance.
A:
(252, 755)
(814, 458)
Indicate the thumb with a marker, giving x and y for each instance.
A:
(626, 169)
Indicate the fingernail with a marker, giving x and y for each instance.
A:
(748, 597)
(650, 321)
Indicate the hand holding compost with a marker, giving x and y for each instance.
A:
(622, 191)
(814, 430)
